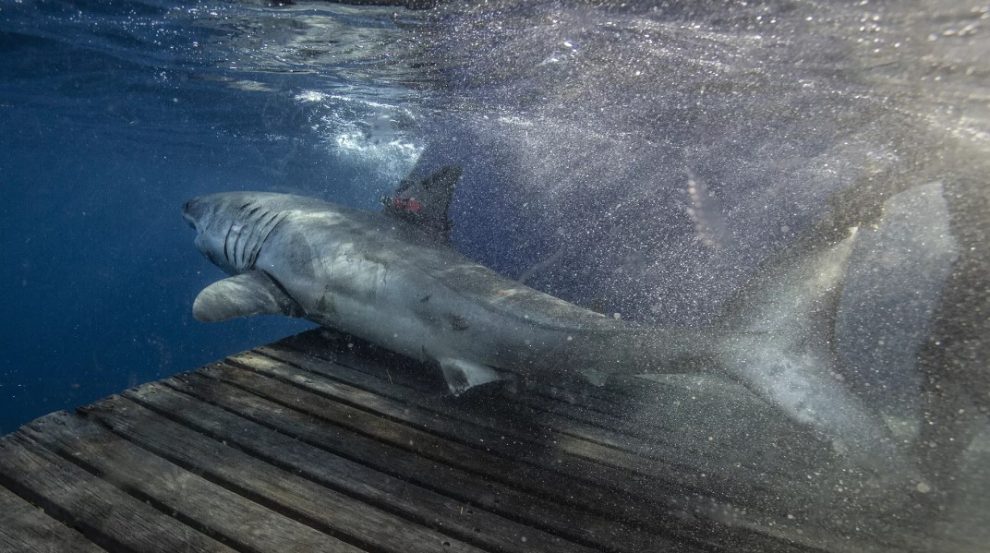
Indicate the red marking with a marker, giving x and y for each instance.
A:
(412, 205)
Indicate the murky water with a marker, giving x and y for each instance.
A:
(647, 160)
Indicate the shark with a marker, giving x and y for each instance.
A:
(391, 277)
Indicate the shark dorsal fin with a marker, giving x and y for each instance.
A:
(425, 202)
(244, 295)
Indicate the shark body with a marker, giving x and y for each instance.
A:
(399, 285)
(388, 281)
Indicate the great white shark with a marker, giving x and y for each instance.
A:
(396, 282)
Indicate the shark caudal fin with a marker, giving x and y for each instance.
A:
(777, 338)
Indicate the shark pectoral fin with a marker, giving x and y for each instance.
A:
(244, 295)
(463, 375)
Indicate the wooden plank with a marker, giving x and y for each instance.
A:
(567, 455)
(665, 508)
(25, 528)
(788, 492)
(646, 409)
(822, 530)
(604, 441)
(475, 457)
(652, 406)
(200, 503)
(659, 417)
(742, 425)
(328, 507)
(100, 511)
(661, 463)
(621, 397)
(791, 465)
(507, 501)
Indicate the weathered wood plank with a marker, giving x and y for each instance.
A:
(534, 510)
(788, 466)
(726, 411)
(665, 459)
(785, 493)
(716, 430)
(476, 457)
(641, 398)
(25, 528)
(199, 502)
(610, 498)
(100, 511)
(647, 409)
(566, 455)
(327, 507)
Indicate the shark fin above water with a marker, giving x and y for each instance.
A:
(425, 202)
(243, 295)
(463, 375)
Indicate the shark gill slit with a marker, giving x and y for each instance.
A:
(237, 241)
(251, 223)
(276, 221)
(226, 243)
(244, 215)
(266, 231)
(258, 233)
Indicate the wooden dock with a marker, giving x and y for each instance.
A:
(321, 442)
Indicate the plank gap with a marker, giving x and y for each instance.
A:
(260, 499)
(515, 403)
(504, 479)
(410, 489)
(229, 541)
(63, 516)
(26, 527)
(566, 490)
(499, 508)
(581, 465)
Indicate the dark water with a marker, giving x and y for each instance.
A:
(642, 159)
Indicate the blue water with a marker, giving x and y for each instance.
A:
(104, 133)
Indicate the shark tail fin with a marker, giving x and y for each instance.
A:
(777, 338)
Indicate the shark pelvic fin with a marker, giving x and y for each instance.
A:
(463, 375)
(244, 295)
(425, 202)
(594, 377)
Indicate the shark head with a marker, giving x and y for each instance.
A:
(232, 227)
